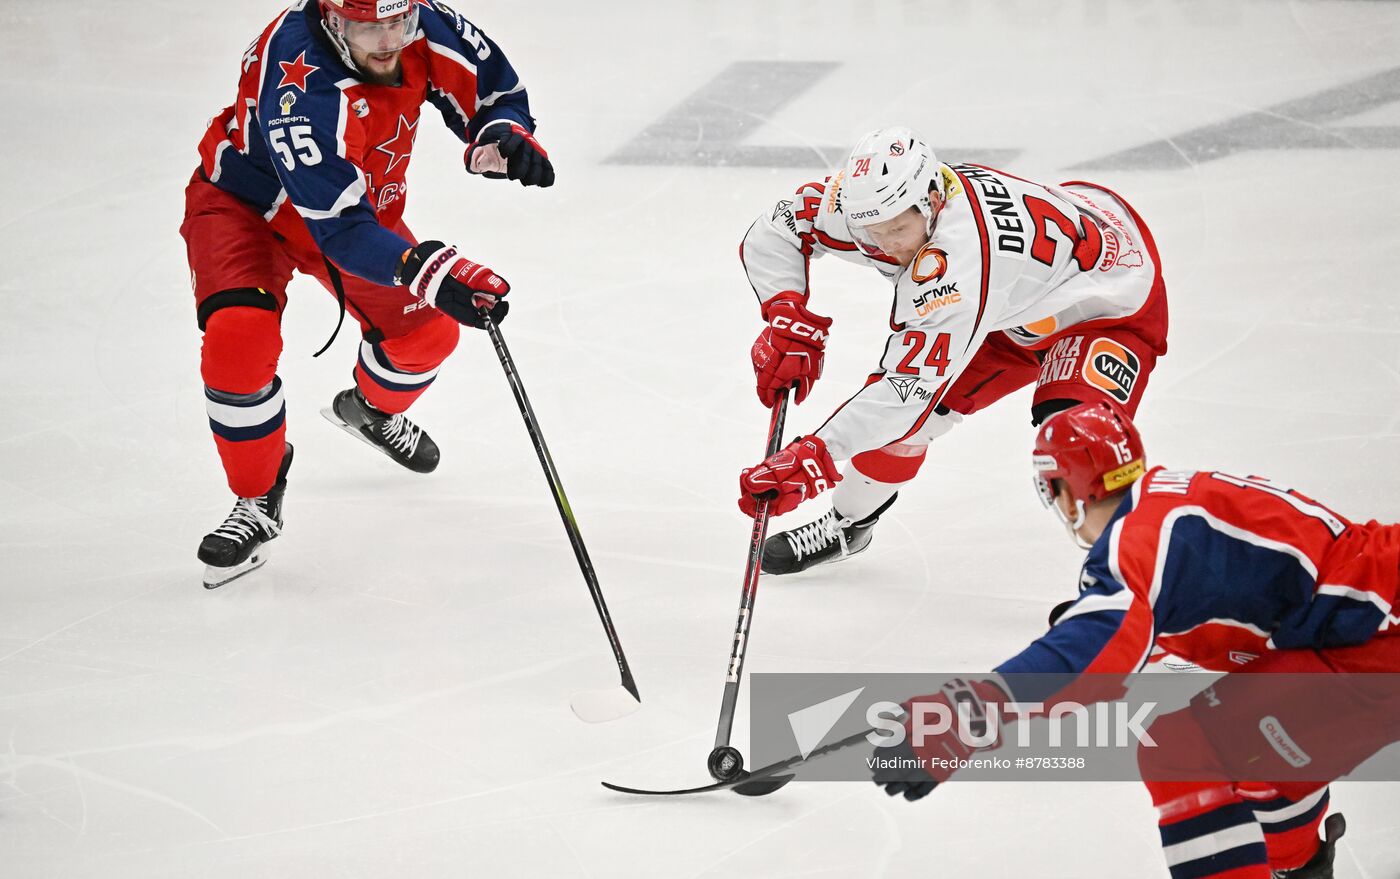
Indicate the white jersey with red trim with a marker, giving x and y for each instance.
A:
(1007, 255)
(779, 245)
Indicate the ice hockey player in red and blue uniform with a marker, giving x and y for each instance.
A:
(1236, 574)
(306, 171)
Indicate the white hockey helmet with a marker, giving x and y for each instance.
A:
(889, 171)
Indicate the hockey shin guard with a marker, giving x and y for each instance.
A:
(393, 373)
(1290, 824)
(249, 431)
(1208, 832)
(243, 395)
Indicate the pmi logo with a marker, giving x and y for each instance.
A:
(902, 385)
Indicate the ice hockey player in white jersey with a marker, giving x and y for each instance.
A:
(999, 283)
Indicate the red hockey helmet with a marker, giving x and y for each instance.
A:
(367, 10)
(1093, 447)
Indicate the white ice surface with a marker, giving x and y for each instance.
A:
(389, 696)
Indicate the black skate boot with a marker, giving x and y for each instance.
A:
(829, 539)
(394, 435)
(239, 546)
(1320, 867)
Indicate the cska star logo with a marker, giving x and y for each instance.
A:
(294, 73)
(399, 147)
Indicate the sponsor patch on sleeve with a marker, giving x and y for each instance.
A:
(1112, 368)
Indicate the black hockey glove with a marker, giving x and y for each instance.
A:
(902, 775)
(515, 147)
(453, 284)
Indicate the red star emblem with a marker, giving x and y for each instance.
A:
(296, 72)
(399, 147)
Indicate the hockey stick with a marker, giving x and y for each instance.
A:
(725, 762)
(763, 780)
(592, 706)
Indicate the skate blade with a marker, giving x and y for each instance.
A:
(821, 564)
(214, 577)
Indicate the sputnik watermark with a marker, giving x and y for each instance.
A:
(1167, 727)
(1106, 725)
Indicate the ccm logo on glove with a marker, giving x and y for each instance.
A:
(790, 351)
(801, 470)
(798, 328)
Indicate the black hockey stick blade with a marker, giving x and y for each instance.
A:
(719, 785)
(762, 787)
(745, 786)
(762, 781)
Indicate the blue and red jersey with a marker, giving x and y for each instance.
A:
(322, 155)
(1219, 569)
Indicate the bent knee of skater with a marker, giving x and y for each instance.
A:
(240, 349)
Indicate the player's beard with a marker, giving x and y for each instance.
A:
(376, 74)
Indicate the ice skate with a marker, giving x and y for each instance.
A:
(239, 546)
(394, 435)
(829, 539)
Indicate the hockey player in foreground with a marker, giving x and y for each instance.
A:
(306, 172)
(998, 283)
(1218, 570)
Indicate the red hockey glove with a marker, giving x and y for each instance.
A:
(454, 285)
(510, 150)
(938, 753)
(802, 470)
(790, 349)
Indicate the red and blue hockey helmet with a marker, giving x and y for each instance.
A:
(1093, 447)
(372, 26)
